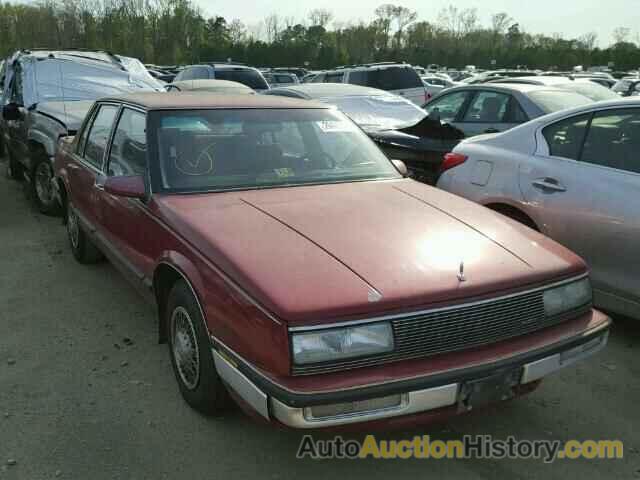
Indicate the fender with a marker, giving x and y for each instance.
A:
(45, 132)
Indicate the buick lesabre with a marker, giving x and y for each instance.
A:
(296, 269)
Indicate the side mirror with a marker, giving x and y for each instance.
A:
(401, 167)
(129, 186)
(11, 111)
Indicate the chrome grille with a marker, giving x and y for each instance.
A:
(456, 328)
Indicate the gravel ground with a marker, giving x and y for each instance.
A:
(87, 393)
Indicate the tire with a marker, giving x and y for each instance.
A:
(41, 187)
(190, 351)
(83, 249)
(15, 170)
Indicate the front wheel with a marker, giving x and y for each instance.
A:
(190, 350)
(42, 187)
(15, 171)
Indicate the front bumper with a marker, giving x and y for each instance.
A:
(403, 397)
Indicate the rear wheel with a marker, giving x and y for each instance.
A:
(82, 248)
(42, 187)
(190, 350)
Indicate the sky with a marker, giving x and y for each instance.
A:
(570, 18)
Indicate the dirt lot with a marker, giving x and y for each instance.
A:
(87, 393)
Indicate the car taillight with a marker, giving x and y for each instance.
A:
(452, 160)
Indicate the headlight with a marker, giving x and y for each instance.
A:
(567, 297)
(341, 343)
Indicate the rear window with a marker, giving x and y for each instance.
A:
(392, 78)
(554, 100)
(250, 78)
(622, 86)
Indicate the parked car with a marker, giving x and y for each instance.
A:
(267, 232)
(300, 73)
(583, 86)
(46, 95)
(249, 76)
(574, 176)
(275, 79)
(484, 77)
(400, 79)
(495, 107)
(210, 86)
(627, 87)
(400, 128)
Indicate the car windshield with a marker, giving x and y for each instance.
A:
(379, 111)
(554, 100)
(590, 90)
(250, 78)
(217, 150)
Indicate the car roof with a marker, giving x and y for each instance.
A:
(186, 100)
(203, 83)
(501, 87)
(323, 90)
(628, 102)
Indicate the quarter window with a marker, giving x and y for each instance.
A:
(565, 137)
(99, 135)
(614, 140)
(129, 147)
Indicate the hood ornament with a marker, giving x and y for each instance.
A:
(461, 276)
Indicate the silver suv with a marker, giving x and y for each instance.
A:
(249, 76)
(45, 95)
(398, 78)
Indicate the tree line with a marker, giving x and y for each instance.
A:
(169, 32)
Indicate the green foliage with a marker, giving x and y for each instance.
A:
(167, 32)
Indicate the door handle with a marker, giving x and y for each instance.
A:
(549, 184)
(492, 130)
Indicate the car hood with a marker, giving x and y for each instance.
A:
(319, 253)
(71, 114)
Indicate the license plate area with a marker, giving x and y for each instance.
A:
(484, 391)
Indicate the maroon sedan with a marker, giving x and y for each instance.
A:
(295, 268)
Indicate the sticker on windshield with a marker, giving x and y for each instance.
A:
(332, 126)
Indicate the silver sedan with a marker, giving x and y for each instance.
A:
(490, 108)
(574, 176)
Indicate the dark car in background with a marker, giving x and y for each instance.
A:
(46, 95)
(400, 128)
(249, 76)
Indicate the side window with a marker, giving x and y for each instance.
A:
(448, 105)
(488, 107)
(613, 140)
(200, 73)
(186, 74)
(16, 87)
(358, 78)
(82, 140)
(516, 114)
(565, 137)
(129, 147)
(318, 78)
(99, 135)
(334, 77)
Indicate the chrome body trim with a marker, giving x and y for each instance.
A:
(548, 365)
(241, 385)
(435, 310)
(414, 402)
